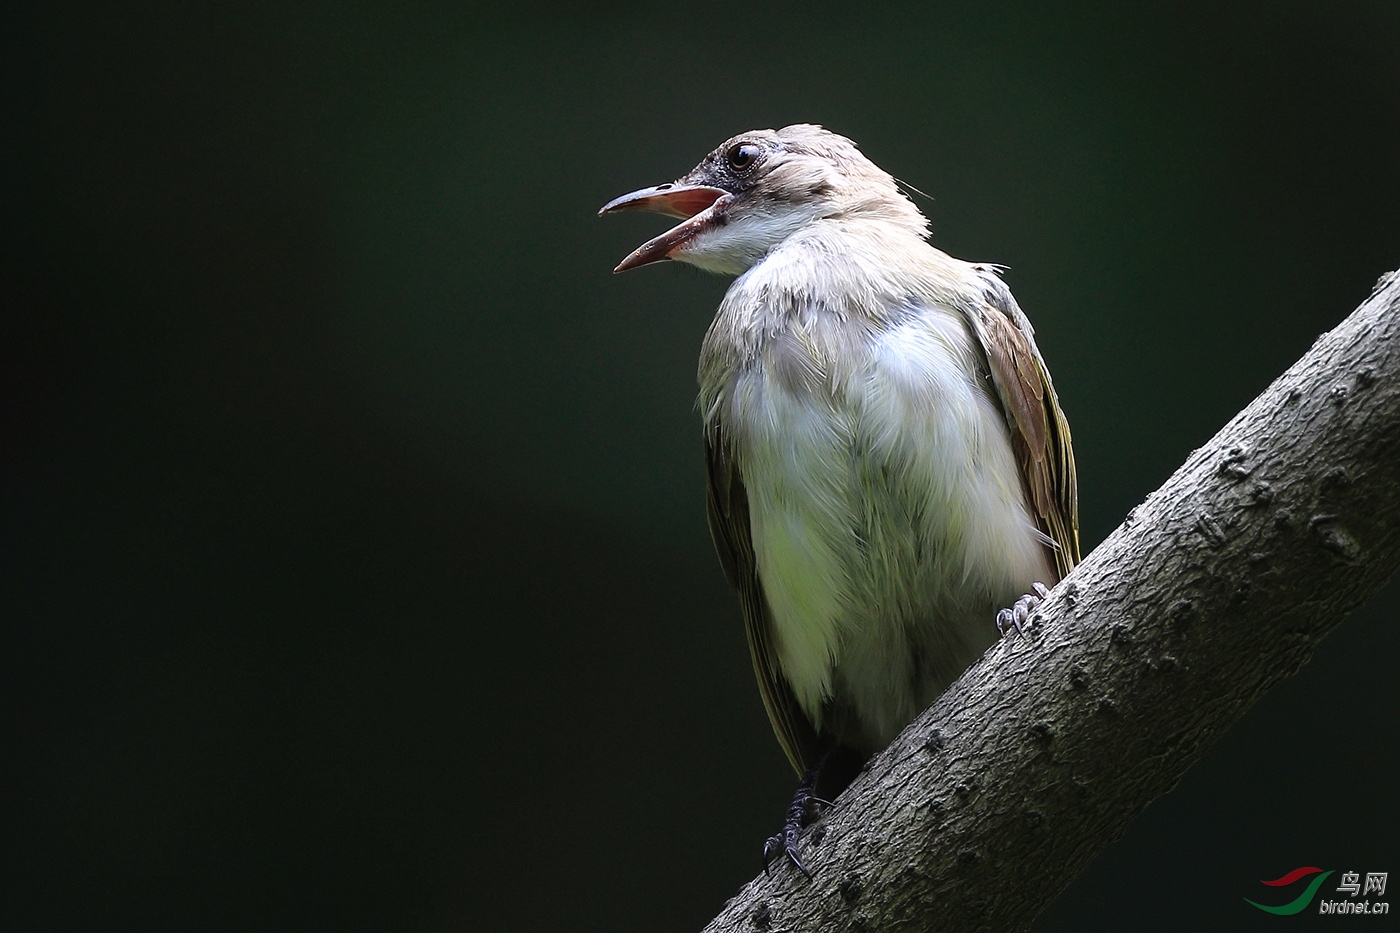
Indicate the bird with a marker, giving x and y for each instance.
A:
(891, 478)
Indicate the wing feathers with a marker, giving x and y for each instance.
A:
(1039, 432)
(728, 510)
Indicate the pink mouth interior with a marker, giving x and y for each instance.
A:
(687, 202)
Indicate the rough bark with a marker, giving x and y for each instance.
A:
(1218, 585)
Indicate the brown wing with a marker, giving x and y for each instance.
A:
(1039, 431)
(729, 525)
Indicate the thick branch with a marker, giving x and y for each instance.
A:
(1217, 586)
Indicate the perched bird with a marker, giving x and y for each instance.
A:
(888, 462)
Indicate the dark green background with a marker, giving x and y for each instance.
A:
(355, 566)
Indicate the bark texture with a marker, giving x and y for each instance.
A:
(1218, 585)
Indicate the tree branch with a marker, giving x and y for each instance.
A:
(1214, 588)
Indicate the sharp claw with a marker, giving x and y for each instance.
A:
(792, 855)
(778, 846)
(770, 852)
(1041, 589)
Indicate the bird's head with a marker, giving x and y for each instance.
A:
(760, 188)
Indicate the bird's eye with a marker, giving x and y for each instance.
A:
(743, 156)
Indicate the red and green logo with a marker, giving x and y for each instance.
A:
(1301, 902)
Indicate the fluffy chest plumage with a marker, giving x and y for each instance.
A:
(886, 512)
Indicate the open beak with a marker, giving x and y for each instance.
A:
(699, 204)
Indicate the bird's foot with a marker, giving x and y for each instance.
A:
(1016, 616)
(804, 808)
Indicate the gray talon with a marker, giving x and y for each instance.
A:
(1017, 616)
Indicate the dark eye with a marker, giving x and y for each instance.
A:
(742, 156)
